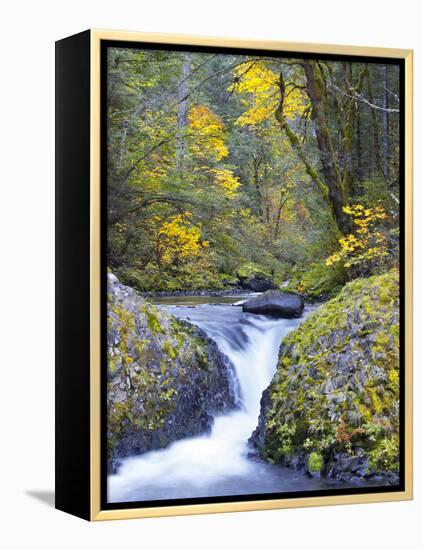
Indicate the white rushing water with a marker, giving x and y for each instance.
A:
(215, 463)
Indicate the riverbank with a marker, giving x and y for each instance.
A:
(233, 291)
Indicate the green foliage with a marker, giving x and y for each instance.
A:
(226, 167)
(248, 270)
(315, 463)
(318, 280)
(282, 442)
(135, 278)
(385, 456)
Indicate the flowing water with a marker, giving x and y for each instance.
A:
(218, 464)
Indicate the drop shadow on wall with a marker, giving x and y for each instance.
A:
(46, 497)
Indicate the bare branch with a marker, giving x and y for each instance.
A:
(177, 202)
(394, 198)
(359, 97)
(393, 94)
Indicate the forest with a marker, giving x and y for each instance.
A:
(222, 166)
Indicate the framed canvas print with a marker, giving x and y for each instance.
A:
(233, 275)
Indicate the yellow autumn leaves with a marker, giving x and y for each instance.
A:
(207, 142)
(226, 180)
(207, 133)
(260, 83)
(366, 243)
(178, 238)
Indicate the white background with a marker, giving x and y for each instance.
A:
(28, 32)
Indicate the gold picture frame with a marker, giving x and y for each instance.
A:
(88, 503)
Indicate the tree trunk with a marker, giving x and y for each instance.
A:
(282, 201)
(256, 177)
(359, 166)
(347, 133)
(266, 198)
(338, 195)
(386, 122)
(376, 141)
(182, 116)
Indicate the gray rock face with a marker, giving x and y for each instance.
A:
(276, 303)
(257, 438)
(166, 378)
(345, 467)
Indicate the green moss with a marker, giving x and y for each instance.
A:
(301, 427)
(186, 277)
(315, 463)
(228, 279)
(337, 381)
(201, 355)
(249, 270)
(111, 365)
(376, 402)
(317, 281)
(152, 317)
(171, 351)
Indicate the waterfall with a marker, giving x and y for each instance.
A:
(216, 463)
(252, 343)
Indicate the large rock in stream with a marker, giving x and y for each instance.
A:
(332, 408)
(276, 303)
(252, 277)
(166, 378)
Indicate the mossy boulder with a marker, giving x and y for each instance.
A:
(336, 389)
(255, 278)
(229, 280)
(247, 270)
(166, 379)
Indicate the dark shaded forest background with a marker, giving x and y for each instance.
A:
(222, 166)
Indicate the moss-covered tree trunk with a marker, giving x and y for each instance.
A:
(330, 185)
(350, 115)
(182, 114)
(338, 191)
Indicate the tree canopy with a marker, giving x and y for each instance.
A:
(218, 161)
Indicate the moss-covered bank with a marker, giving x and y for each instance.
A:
(166, 379)
(333, 406)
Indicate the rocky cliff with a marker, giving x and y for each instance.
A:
(332, 408)
(166, 379)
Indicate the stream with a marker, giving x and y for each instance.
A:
(218, 463)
